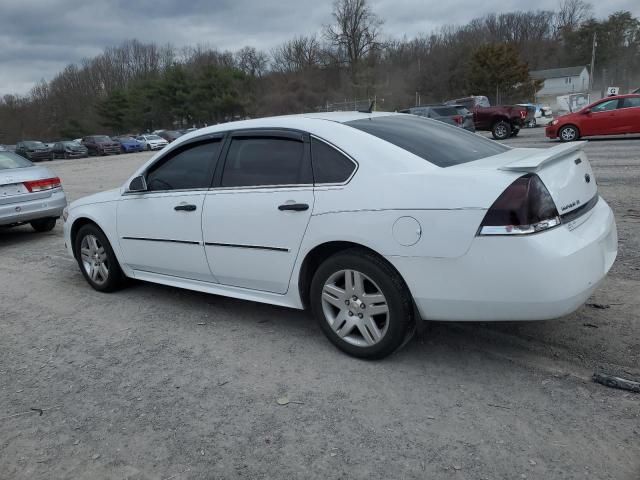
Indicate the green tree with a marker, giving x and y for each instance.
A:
(495, 70)
(113, 111)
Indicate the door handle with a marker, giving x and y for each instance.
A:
(296, 207)
(185, 208)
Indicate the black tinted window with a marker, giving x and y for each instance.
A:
(436, 142)
(189, 167)
(631, 102)
(265, 161)
(329, 165)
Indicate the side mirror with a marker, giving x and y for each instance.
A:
(138, 184)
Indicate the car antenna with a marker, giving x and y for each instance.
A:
(370, 109)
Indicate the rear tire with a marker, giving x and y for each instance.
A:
(43, 224)
(96, 260)
(569, 133)
(501, 130)
(361, 304)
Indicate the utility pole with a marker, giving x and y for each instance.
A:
(593, 61)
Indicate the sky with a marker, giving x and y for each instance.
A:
(38, 38)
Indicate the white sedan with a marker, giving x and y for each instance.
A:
(152, 142)
(373, 221)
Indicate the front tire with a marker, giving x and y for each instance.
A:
(96, 259)
(501, 130)
(569, 133)
(361, 304)
(43, 224)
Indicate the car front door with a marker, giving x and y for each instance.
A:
(629, 115)
(601, 119)
(255, 216)
(160, 229)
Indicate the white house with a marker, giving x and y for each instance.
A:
(562, 81)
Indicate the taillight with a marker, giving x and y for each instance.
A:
(40, 185)
(458, 119)
(524, 207)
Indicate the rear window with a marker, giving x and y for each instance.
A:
(436, 142)
(11, 160)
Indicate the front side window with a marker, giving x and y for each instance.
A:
(605, 106)
(436, 142)
(329, 165)
(265, 161)
(185, 168)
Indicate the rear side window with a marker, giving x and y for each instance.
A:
(630, 102)
(188, 167)
(436, 142)
(265, 161)
(329, 165)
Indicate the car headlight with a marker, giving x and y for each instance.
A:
(553, 122)
(65, 213)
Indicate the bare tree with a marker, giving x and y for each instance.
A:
(571, 15)
(297, 55)
(251, 61)
(355, 32)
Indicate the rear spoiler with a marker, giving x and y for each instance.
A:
(540, 157)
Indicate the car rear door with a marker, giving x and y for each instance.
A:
(629, 115)
(160, 229)
(257, 213)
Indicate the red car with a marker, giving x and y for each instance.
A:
(613, 115)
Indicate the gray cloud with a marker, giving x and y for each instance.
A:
(39, 37)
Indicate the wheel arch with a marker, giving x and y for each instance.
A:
(314, 258)
(570, 125)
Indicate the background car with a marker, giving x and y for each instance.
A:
(543, 115)
(503, 121)
(33, 150)
(152, 142)
(170, 135)
(615, 115)
(101, 145)
(29, 194)
(69, 149)
(372, 220)
(456, 115)
(129, 144)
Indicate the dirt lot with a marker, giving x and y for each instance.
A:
(157, 383)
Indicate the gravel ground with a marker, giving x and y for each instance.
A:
(156, 383)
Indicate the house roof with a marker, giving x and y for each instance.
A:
(556, 73)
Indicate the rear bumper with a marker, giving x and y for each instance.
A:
(536, 277)
(20, 212)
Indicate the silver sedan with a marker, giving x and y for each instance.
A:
(29, 194)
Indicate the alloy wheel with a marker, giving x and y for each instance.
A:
(568, 134)
(94, 259)
(355, 308)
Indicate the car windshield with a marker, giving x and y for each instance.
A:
(126, 139)
(154, 137)
(71, 144)
(102, 138)
(11, 160)
(34, 145)
(436, 142)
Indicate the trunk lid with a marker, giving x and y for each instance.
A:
(565, 171)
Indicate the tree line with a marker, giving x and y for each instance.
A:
(138, 86)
